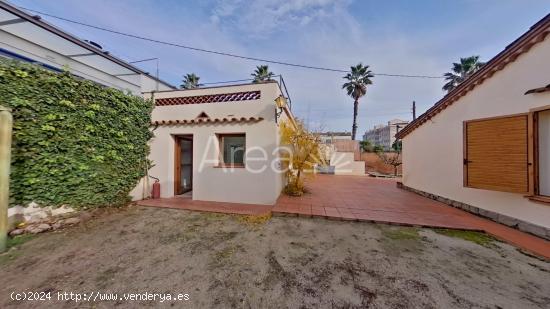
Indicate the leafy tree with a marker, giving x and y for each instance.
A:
(304, 152)
(397, 145)
(461, 71)
(356, 87)
(366, 146)
(378, 148)
(262, 74)
(190, 81)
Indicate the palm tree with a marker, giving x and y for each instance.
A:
(461, 71)
(262, 74)
(190, 81)
(356, 87)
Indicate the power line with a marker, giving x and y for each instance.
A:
(219, 52)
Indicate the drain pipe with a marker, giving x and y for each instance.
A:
(145, 193)
(6, 121)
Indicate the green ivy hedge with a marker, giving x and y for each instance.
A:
(74, 141)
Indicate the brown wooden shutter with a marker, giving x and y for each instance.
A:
(496, 154)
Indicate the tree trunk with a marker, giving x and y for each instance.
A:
(354, 127)
(298, 175)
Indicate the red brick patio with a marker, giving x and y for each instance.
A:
(358, 198)
(189, 204)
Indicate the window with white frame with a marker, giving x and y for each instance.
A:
(232, 149)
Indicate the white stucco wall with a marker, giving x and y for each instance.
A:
(433, 153)
(211, 183)
(345, 164)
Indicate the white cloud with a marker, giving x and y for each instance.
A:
(262, 17)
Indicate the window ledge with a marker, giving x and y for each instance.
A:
(539, 198)
(229, 166)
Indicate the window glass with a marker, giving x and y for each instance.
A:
(544, 152)
(233, 149)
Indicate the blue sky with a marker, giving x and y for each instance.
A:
(406, 37)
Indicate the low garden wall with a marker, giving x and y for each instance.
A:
(375, 164)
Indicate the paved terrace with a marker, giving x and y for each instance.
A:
(357, 198)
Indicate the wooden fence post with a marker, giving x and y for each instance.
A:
(5, 161)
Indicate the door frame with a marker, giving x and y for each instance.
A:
(177, 161)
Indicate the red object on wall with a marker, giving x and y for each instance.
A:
(155, 194)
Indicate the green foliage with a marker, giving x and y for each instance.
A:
(366, 146)
(461, 71)
(74, 141)
(476, 237)
(190, 81)
(378, 148)
(19, 240)
(402, 233)
(262, 74)
(397, 146)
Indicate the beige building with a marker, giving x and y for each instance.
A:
(485, 147)
(328, 138)
(218, 144)
(384, 135)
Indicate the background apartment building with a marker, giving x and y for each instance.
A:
(384, 135)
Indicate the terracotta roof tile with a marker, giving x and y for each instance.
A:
(207, 120)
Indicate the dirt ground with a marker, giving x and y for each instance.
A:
(285, 262)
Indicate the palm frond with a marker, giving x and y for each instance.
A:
(460, 71)
(262, 73)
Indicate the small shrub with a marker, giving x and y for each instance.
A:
(304, 153)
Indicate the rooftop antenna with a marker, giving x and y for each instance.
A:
(150, 59)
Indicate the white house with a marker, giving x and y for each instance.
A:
(485, 147)
(218, 144)
(28, 38)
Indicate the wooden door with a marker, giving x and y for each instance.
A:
(183, 164)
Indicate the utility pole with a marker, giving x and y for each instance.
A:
(414, 110)
(6, 121)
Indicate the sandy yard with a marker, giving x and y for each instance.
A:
(229, 261)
